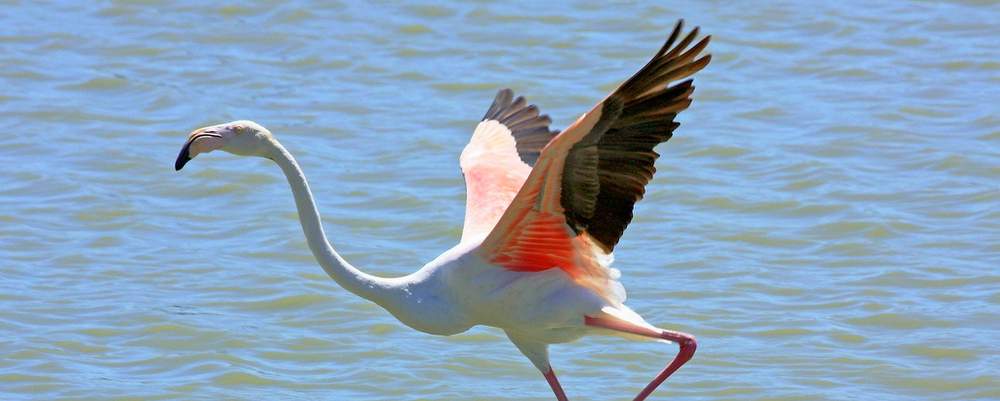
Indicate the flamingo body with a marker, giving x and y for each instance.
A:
(459, 290)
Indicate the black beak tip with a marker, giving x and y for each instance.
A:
(179, 164)
(182, 158)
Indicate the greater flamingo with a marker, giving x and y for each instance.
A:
(543, 212)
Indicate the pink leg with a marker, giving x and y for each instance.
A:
(550, 377)
(686, 342)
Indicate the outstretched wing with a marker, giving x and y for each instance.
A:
(498, 158)
(578, 199)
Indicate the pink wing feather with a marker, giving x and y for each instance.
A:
(498, 159)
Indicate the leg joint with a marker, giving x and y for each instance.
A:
(686, 342)
(689, 342)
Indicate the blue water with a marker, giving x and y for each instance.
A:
(826, 220)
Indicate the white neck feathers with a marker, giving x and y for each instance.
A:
(377, 289)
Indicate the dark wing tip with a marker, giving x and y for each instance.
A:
(529, 128)
(599, 193)
(672, 62)
(500, 102)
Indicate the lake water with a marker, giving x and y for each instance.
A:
(826, 220)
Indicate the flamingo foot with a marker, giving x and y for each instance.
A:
(686, 342)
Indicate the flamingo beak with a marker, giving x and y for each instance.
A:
(202, 140)
(184, 156)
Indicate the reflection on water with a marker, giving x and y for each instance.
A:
(825, 221)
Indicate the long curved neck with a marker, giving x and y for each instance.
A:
(377, 289)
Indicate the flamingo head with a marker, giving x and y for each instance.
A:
(242, 137)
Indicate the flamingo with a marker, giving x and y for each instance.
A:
(544, 211)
